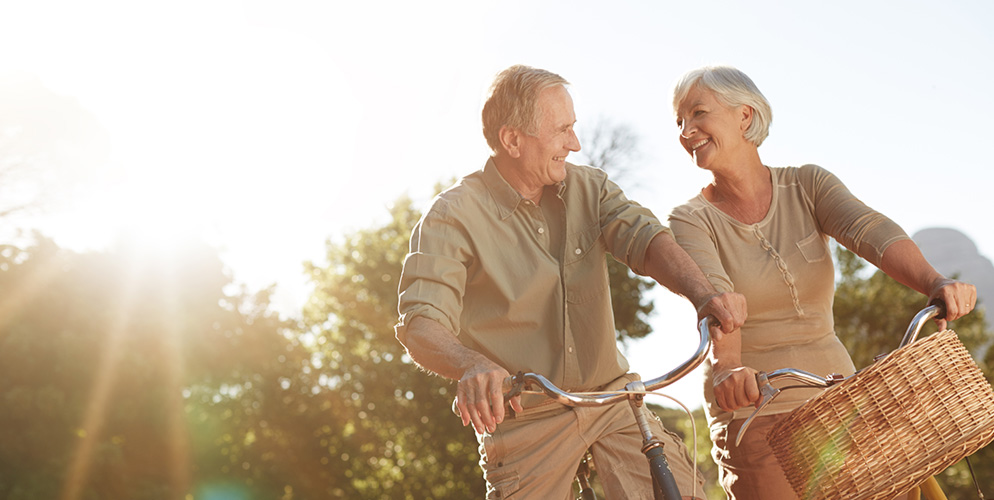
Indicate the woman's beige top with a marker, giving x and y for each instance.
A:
(784, 268)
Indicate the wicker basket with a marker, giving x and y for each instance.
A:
(889, 427)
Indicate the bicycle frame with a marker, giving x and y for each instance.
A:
(634, 393)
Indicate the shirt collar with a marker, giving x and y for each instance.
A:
(506, 197)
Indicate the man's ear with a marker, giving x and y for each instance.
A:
(510, 140)
(746, 117)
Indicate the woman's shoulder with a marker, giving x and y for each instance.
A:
(691, 206)
(806, 169)
(807, 175)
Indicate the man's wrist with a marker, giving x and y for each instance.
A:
(705, 301)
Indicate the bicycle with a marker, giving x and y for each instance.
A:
(664, 484)
(847, 419)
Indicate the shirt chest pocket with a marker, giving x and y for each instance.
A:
(585, 266)
(813, 247)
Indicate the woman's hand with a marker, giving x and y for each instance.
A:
(960, 298)
(735, 388)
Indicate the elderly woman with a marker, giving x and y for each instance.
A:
(763, 232)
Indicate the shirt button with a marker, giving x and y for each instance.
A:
(570, 349)
(541, 230)
(578, 251)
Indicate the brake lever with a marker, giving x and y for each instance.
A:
(767, 393)
(513, 385)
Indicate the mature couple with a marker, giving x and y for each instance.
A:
(507, 273)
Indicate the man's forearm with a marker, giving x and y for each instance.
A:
(436, 349)
(670, 266)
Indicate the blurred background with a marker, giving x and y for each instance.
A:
(204, 207)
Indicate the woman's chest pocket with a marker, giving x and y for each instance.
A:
(814, 247)
(585, 266)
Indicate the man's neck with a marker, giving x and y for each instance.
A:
(510, 170)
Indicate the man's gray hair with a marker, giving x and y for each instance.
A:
(732, 87)
(512, 101)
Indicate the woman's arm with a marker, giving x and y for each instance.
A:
(904, 262)
(879, 240)
(734, 385)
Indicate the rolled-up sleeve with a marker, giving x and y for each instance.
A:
(844, 217)
(628, 227)
(433, 281)
(701, 245)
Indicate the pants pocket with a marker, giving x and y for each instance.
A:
(502, 480)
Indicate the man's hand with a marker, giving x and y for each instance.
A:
(479, 397)
(728, 308)
(735, 388)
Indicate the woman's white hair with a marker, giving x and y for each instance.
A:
(732, 87)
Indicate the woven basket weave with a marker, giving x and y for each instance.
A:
(889, 427)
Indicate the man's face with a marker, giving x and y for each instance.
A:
(543, 156)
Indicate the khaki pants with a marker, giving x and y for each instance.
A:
(750, 471)
(535, 455)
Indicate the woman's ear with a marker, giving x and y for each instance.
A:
(746, 115)
(510, 140)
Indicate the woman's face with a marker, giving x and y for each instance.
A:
(711, 132)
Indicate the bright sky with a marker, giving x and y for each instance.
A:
(271, 126)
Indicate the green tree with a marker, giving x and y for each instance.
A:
(396, 434)
(129, 375)
(872, 312)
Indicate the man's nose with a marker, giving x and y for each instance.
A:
(574, 142)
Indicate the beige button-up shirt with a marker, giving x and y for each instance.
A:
(527, 285)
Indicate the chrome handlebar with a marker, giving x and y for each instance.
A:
(515, 383)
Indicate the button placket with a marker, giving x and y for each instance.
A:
(788, 278)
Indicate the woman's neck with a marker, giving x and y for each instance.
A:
(744, 191)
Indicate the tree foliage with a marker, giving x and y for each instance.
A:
(123, 375)
(396, 433)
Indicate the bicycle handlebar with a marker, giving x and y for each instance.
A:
(768, 393)
(515, 383)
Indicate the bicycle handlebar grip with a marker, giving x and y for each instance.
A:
(937, 302)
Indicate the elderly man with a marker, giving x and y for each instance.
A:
(507, 272)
